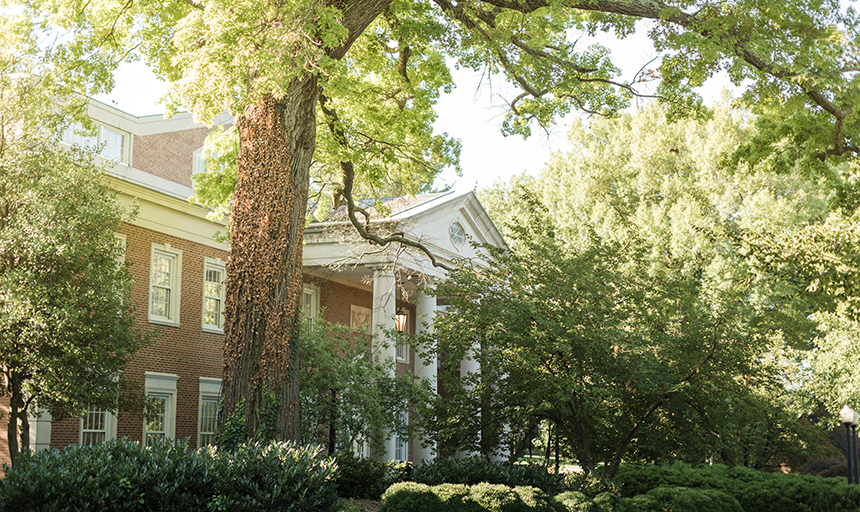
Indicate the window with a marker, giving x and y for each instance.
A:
(361, 448)
(210, 393)
(457, 235)
(97, 425)
(156, 423)
(310, 302)
(160, 422)
(198, 163)
(164, 284)
(402, 349)
(110, 140)
(401, 442)
(214, 275)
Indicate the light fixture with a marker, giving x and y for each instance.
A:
(849, 419)
(400, 320)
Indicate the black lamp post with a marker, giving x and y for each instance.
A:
(849, 419)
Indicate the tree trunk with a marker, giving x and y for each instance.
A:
(264, 268)
(16, 403)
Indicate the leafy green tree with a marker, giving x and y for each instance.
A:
(624, 365)
(369, 71)
(66, 331)
(670, 198)
(347, 395)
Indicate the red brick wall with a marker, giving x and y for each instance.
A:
(185, 351)
(168, 155)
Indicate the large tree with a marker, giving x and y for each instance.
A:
(370, 71)
(653, 225)
(66, 329)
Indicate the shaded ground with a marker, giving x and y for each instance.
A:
(355, 505)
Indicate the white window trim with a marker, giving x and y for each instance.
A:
(313, 311)
(401, 444)
(176, 285)
(100, 139)
(163, 384)
(209, 388)
(110, 427)
(215, 264)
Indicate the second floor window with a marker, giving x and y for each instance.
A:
(110, 140)
(214, 276)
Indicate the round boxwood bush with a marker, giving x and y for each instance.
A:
(476, 470)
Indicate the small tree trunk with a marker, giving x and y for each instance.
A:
(16, 404)
(332, 423)
(264, 269)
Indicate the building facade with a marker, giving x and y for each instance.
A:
(178, 268)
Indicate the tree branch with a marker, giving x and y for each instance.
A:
(348, 170)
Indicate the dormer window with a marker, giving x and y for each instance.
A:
(111, 141)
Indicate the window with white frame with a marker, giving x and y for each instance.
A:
(198, 164)
(361, 448)
(160, 420)
(210, 393)
(111, 140)
(214, 275)
(401, 441)
(402, 348)
(164, 284)
(156, 421)
(97, 425)
(310, 302)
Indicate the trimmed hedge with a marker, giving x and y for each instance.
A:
(476, 470)
(121, 475)
(755, 491)
(684, 499)
(483, 497)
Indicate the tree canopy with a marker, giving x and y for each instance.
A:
(630, 312)
(66, 329)
(370, 71)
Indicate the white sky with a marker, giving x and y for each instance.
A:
(473, 113)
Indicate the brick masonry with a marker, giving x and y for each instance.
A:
(188, 351)
(168, 155)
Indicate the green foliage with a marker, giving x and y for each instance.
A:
(656, 205)
(348, 395)
(123, 475)
(416, 497)
(66, 324)
(359, 477)
(233, 433)
(683, 499)
(475, 470)
(753, 490)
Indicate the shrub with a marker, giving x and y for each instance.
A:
(576, 501)
(476, 470)
(755, 491)
(683, 499)
(367, 479)
(484, 497)
(122, 475)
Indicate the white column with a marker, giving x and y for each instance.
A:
(470, 364)
(384, 348)
(425, 365)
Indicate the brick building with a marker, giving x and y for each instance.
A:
(178, 268)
